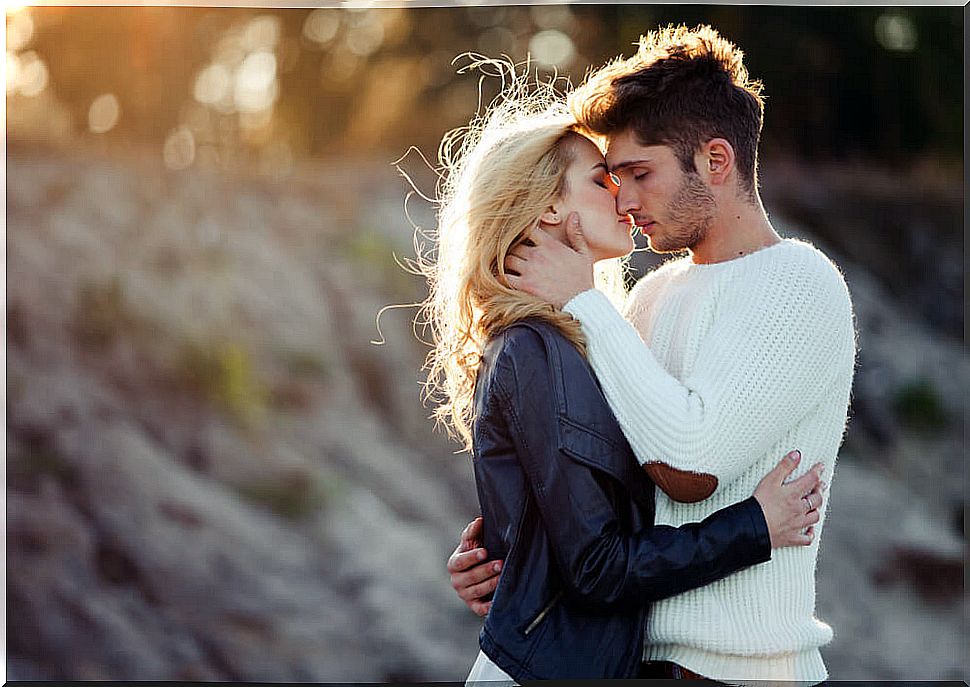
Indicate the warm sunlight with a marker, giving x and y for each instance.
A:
(265, 260)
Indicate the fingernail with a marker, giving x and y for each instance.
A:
(481, 555)
(497, 566)
(796, 455)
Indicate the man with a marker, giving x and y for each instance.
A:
(737, 352)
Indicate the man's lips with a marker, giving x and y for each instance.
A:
(638, 224)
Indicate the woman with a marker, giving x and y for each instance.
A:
(562, 497)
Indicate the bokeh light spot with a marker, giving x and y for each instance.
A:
(552, 48)
(365, 35)
(552, 16)
(214, 83)
(321, 25)
(32, 75)
(20, 29)
(179, 149)
(256, 87)
(262, 33)
(103, 113)
(896, 32)
(13, 71)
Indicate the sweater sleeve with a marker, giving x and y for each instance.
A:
(782, 335)
(599, 560)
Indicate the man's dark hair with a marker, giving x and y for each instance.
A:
(682, 88)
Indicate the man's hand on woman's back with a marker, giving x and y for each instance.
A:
(472, 576)
(791, 510)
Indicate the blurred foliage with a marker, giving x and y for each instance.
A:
(27, 469)
(380, 265)
(102, 314)
(290, 396)
(919, 406)
(227, 87)
(293, 495)
(222, 372)
(34, 456)
(304, 363)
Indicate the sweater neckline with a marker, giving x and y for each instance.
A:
(706, 266)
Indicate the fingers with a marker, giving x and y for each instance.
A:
(785, 467)
(478, 591)
(473, 530)
(819, 487)
(460, 561)
(471, 576)
(807, 482)
(471, 535)
(538, 235)
(813, 500)
(574, 233)
(806, 519)
(514, 263)
(522, 250)
(462, 580)
(481, 608)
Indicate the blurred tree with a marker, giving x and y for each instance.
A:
(867, 82)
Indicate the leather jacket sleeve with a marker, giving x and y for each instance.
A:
(598, 561)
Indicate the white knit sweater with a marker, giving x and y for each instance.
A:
(747, 360)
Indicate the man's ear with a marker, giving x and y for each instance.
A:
(715, 161)
(551, 216)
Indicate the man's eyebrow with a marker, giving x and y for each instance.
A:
(629, 163)
(598, 165)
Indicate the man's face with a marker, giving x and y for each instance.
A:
(673, 208)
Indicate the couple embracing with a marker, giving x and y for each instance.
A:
(636, 520)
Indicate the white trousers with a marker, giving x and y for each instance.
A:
(484, 673)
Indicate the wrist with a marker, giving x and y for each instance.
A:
(575, 301)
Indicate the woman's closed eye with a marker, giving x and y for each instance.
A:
(608, 180)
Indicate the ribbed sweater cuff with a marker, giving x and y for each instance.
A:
(594, 311)
(795, 669)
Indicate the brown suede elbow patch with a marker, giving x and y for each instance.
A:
(681, 485)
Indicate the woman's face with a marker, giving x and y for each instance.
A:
(591, 192)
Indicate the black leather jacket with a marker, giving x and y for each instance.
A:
(567, 506)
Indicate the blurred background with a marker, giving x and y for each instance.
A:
(213, 474)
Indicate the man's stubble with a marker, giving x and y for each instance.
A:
(689, 216)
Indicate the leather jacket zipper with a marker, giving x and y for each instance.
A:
(543, 612)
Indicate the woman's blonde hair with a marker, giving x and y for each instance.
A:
(498, 175)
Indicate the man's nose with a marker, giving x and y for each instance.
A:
(626, 201)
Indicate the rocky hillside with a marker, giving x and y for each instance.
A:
(213, 474)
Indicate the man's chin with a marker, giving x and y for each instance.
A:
(656, 244)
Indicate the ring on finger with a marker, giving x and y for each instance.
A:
(808, 500)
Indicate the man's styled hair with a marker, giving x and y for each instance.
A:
(682, 88)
